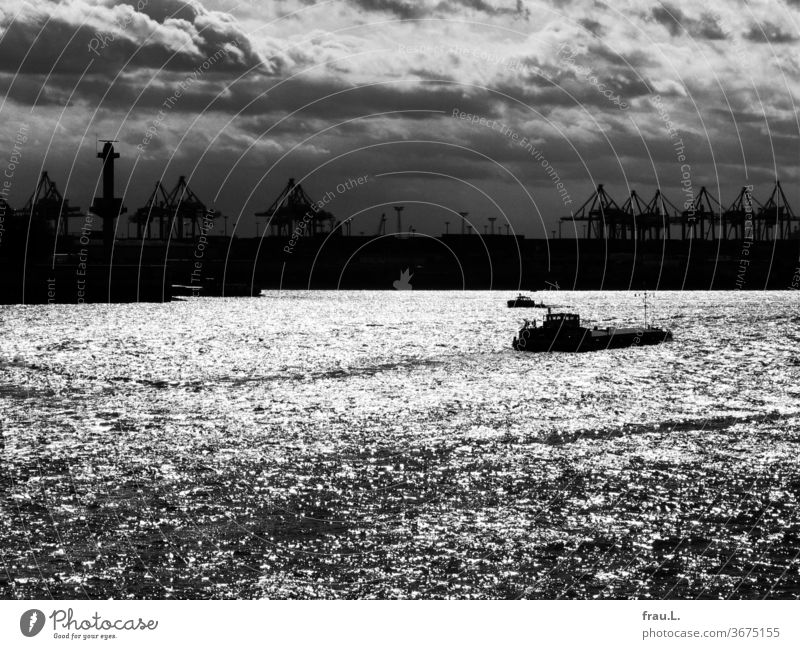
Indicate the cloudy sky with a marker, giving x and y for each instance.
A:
(565, 94)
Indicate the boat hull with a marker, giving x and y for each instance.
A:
(588, 340)
(513, 304)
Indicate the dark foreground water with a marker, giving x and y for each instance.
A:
(393, 445)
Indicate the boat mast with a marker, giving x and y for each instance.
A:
(645, 309)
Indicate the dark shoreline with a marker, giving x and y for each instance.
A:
(151, 271)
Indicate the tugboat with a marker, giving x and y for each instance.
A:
(562, 332)
(524, 302)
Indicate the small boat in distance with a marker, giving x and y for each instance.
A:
(525, 302)
(182, 291)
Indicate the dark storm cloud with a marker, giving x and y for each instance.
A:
(62, 49)
(516, 9)
(671, 17)
(708, 29)
(600, 54)
(769, 33)
(743, 115)
(400, 8)
(235, 108)
(678, 23)
(408, 10)
(44, 46)
(572, 92)
(333, 101)
(592, 26)
(145, 91)
(25, 90)
(46, 57)
(43, 43)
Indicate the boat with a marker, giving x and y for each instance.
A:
(562, 332)
(182, 291)
(524, 302)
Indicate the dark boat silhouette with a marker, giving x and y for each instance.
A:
(562, 332)
(524, 302)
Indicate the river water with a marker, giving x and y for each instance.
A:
(375, 444)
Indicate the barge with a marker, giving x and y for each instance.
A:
(562, 332)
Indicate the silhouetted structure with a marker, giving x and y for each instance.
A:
(774, 219)
(184, 205)
(464, 222)
(647, 220)
(47, 204)
(107, 207)
(155, 209)
(174, 211)
(399, 211)
(295, 213)
(603, 217)
(660, 213)
(737, 220)
(704, 217)
(622, 247)
(525, 302)
(562, 332)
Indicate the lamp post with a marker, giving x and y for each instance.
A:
(399, 210)
(463, 216)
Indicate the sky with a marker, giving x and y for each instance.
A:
(512, 110)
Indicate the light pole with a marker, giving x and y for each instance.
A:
(399, 210)
(463, 216)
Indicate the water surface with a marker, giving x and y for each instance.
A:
(374, 444)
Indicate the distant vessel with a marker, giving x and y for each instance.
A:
(562, 332)
(524, 302)
(182, 291)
